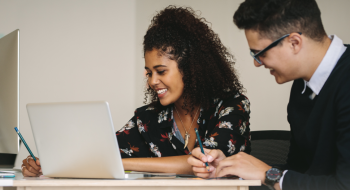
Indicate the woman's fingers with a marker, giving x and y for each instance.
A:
(27, 173)
(211, 154)
(203, 169)
(30, 168)
(203, 175)
(34, 164)
(198, 154)
(194, 161)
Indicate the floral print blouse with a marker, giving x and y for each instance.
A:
(223, 126)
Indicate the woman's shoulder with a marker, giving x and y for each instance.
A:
(232, 100)
(146, 109)
(237, 101)
(151, 110)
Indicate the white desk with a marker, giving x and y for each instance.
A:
(34, 183)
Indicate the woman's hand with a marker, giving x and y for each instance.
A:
(198, 159)
(30, 168)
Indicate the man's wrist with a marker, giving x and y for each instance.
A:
(264, 176)
(272, 177)
(277, 186)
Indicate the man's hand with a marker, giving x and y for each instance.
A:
(244, 166)
(198, 159)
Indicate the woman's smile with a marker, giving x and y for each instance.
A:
(161, 92)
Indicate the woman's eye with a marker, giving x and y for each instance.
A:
(148, 74)
(160, 72)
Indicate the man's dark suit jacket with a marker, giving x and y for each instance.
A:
(319, 156)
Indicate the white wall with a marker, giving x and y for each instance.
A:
(92, 50)
(77, 50)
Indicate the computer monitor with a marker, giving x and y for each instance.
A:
(9, 98)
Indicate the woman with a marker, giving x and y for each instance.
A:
(191, 84)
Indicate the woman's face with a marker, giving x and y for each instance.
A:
(164, 77)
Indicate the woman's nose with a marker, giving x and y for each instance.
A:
(153, 81)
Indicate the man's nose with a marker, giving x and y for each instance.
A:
(256, 64)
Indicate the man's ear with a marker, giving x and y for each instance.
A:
(296, 41)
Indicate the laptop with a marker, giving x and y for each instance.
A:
(77, 140)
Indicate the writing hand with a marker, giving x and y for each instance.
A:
(30, 168)
(198, 159)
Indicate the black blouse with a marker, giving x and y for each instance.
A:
(223, 126)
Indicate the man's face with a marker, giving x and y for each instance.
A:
(279, 59)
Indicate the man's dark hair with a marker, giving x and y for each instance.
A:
(274, 18)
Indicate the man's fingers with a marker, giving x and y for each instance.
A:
(226, 171)
(223, 164)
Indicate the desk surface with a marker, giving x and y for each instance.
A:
(178, 183)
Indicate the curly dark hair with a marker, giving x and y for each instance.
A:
(205, 63)
(274, 18)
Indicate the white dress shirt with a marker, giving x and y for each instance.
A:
(334, 52)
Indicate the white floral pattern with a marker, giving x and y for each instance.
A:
(217, 108)
(150, 108)
(242, 148)
(155, 149)
(226, 125)
(163, 116)
(140, 126)
(246, 105)
(243, 127)
(127, 151)
(226, 111)
(129, 125)
(200, 116)
(231, 147)
(210, 142)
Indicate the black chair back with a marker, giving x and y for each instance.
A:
(271, 147)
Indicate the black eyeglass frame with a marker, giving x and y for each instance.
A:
(273, 44)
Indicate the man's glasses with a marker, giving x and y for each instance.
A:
(273, 44)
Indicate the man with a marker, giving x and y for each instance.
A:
(287, 37)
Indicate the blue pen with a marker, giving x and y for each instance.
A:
(201, 146)
(25, 144)
(7, 176)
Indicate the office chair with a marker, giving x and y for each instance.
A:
(271, 147)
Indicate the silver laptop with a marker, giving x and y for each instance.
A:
(76, 140)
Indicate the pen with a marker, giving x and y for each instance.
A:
(25, 144)
(201, 146)
(7, 175)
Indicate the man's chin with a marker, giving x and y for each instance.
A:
(281, 80)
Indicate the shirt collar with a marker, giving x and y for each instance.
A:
(334, 52)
